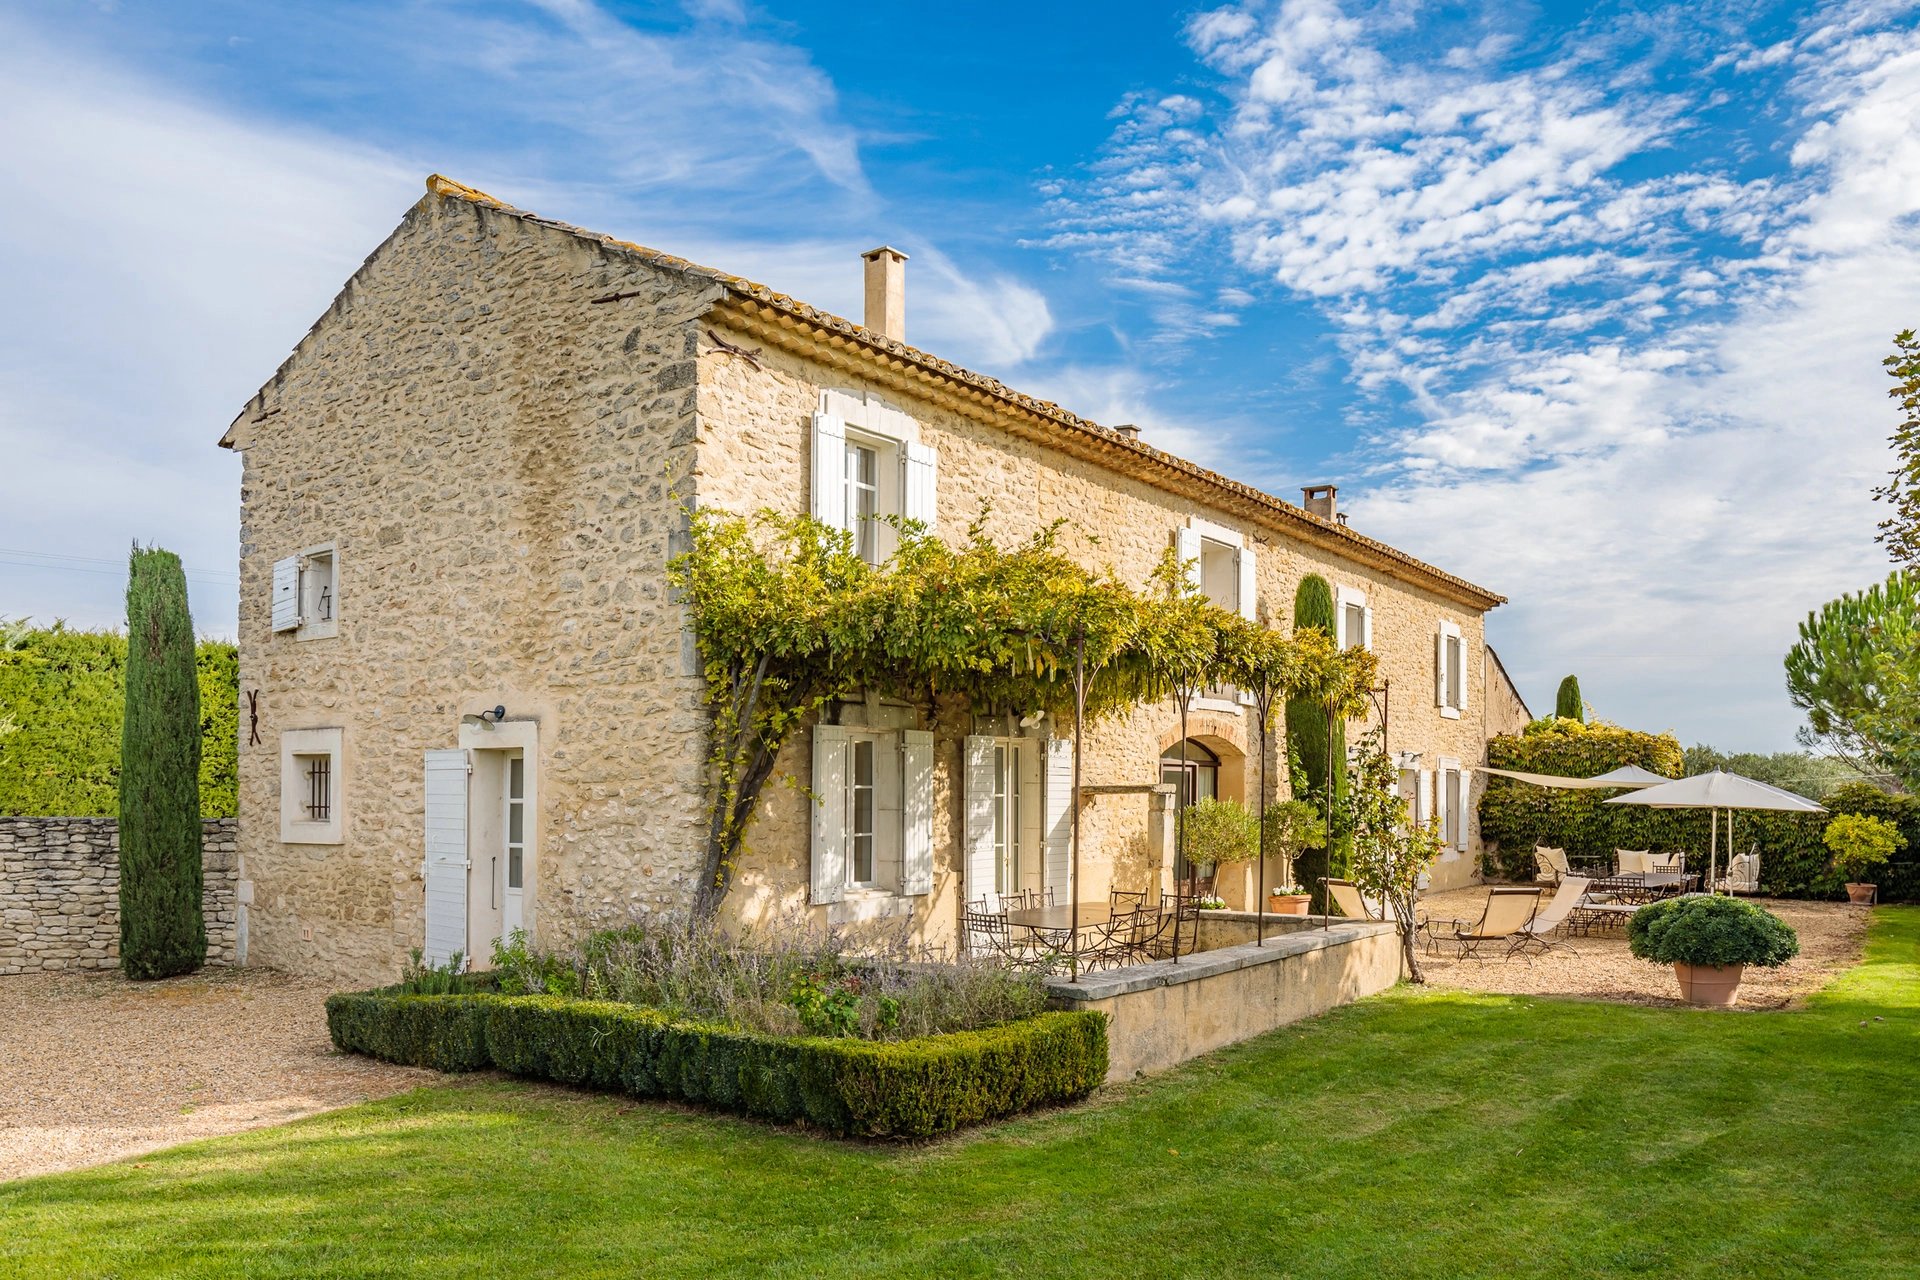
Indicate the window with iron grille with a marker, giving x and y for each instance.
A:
(311, 787)
(317, 773)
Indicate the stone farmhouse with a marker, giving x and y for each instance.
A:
(470, 703)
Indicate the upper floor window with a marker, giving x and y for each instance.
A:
(306, 593)
(1450, 670)
(1353, 619)
(868, 464)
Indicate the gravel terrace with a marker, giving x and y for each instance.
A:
(1832, 938)
(94, 1068)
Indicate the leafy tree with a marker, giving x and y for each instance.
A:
(1838, 673)
(1800, 772)
(1218, 831)
(1861, 844)
(1391, 852)
(161, 929)
(1900, 532)
(1567, 704)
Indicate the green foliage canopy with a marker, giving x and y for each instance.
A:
(1567, 704)
(1391, 852)
(161, 929)
(63, 690)
(1861, 844)
(1900, 532)
(1849, 651)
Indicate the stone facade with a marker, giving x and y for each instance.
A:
(60, 892)
(1507, 711)
(493, 426)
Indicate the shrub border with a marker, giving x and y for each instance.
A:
(856, 1088)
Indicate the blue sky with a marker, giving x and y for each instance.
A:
(1585, 303)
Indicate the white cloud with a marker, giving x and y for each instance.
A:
(1648, 408)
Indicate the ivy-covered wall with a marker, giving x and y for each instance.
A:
(1515, 816)
(62, 691)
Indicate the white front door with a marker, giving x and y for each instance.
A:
(445, 867)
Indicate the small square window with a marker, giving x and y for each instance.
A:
(311, 787)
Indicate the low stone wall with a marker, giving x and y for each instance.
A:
(60, 892)
(1161, 1014)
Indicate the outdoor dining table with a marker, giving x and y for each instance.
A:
(1060, 920)
(1643, 885)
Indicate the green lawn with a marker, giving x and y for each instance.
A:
(1412, 1134)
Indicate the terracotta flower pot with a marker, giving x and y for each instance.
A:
(1860, 892)
(1712, 985)
(1287, 904)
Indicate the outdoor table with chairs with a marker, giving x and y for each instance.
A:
(1030, 930)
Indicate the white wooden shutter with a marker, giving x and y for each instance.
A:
(1366, 627)
(1465, 679)
(1032, 828)
(286, 594)
(445, 867)
(916, 810)
(1187, 543)
(921, 464)
(829, 858)
(1440, 667)
(830, 470)
(1059, 818)
(1248, 584)
(977, 797)
(1423, 797)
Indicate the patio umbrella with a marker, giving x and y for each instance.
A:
(1716, 791)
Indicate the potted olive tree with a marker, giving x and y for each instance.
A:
(1292, 826)
(1216, 831)
(1710, 941)
(1861, 845)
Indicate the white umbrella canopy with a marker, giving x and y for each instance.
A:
(1630, 775)
(1627, 776)
(1716, 791)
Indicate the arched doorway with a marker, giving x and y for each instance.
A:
(1197, 778)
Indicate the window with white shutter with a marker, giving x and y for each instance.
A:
(868, 465)
(978, 796)
(286, 594)
(1449, 670)
(1352, 619)
(445, 863)
(829, 852)
(916, 806)
(1058, 817)
(1219, 563)
(306, 593)
(1452, 804)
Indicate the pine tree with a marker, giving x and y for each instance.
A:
(1307, 745)
(162, 932)
(1567, 705)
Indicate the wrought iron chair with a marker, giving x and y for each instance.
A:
(1179, 915)
(1126, 899)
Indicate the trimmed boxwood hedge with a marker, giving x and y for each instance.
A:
(900, 1089)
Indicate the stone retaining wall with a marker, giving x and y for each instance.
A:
(60, 892)
(1161, 1014)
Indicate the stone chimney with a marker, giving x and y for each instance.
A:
(1321, 500)
(1129, 430)
(887, 292)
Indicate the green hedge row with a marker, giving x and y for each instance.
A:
(64, 691)
(903, 1089)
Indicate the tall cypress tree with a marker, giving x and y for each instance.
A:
(1567, 704)
(1307, 745)
(162, 932)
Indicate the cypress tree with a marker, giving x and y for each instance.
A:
(1567, 705)
(1307, 744)
(161, 929)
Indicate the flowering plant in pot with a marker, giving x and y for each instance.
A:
(1288, 899)
(1710, 941)
(1860, 845)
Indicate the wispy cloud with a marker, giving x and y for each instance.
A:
(1617, 347)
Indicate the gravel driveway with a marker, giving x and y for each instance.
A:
(93, 1067)
(1832, 938)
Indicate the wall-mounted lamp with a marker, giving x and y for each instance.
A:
(487, 718)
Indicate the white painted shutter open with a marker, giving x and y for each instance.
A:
(1032, 829)
(1465, 680)
(1440, 667)
(977, 797)
(829, 470)
(1366, 627)
(286, 594)
(829, 855)
(916, 812)
(1443, 799)
(445, 867)
(1059, 818)
(922, 472)
(1187, 543)
(1249, 588)
(1423, 798)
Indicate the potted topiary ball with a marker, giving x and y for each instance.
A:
(1710, 941)
(1861, 845)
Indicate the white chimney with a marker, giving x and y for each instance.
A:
(1321, 500)
(887, 292)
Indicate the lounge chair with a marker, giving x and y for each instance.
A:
(1353, 904)
(1631, 862)
(1507, 912)
(1533, 934)
(1743, 875)
(1552, 863)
